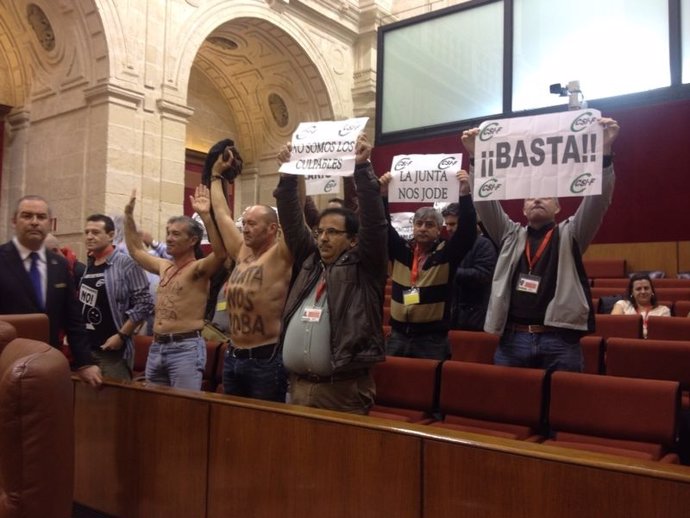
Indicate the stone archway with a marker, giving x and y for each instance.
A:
(51, 52)
(266, 83)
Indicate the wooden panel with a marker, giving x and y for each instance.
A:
(684, 256)
(151, 452)
(640, 256)
(267, 464)
(461, 480)
(140, 453)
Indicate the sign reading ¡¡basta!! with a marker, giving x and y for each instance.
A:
(559, 154)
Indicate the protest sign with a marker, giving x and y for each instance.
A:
(424, 178)
(324, 148)
(558, 154)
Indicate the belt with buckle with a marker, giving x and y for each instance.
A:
(532, 328)
(252, 353)
(336, 376)
(174, 337)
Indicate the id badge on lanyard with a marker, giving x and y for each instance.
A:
(528, 283)
(411, 296)
(313, 314)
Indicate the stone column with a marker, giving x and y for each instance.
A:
(14, 167)
(372, 14)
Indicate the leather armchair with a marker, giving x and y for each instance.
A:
(36, 429)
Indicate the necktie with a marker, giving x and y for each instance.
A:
(35, 276)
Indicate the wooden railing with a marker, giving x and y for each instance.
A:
(145, 452)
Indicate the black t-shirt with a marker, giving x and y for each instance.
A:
(95, 311)
(530, 308)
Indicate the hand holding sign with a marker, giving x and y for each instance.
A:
(464, 179)
(362, 149)
(611, 129)
(468, 138)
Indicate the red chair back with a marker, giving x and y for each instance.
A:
(593, 354)
(492, 393)
(668, 328)
(611, 407)
(405, 387)
(472, 346)
(649, 359)
(624, 326)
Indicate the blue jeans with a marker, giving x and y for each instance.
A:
(433, 346)
(261, 378)
(178, 364)
(558, 350)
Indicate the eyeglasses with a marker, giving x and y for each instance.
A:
(329, 232)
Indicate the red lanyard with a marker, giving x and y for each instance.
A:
(321, 287)
(164, 282)
(418, 258)
(540, 249)
(645, 316)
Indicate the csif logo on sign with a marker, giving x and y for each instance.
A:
(582, 183)
(330, 185)
(402, 164)
(447, 162)
(489, 187)
(582, 121)
(491, 129)
(347, 129)
(310, 130)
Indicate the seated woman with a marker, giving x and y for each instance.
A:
(640, 299)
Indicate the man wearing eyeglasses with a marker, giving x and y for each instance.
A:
(36, 280)
(422, 277)
(332, 333)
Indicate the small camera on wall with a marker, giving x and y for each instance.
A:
(576, 100)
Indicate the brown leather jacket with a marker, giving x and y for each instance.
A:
(355, 281)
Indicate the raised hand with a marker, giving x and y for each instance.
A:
(129, 208)
(284, 154)
(362, 149)
(464, 179)
(611, 130)
(468, 139)
(201, 201)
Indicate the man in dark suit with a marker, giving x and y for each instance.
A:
(36, 280)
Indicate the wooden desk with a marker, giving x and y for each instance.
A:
(146, 452)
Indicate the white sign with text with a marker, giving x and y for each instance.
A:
(425, 178)
(324, 148)
(559, 154)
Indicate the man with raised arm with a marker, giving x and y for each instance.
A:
(540, 300)
(178, 354)
(256, 291)
(422, 276)
(332, 333)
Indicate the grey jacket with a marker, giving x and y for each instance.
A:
(570, 307)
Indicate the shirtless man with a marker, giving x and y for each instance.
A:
(256, 292)
(178, 354)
